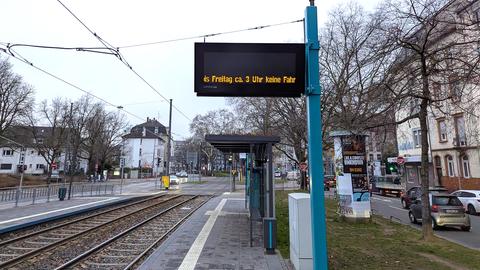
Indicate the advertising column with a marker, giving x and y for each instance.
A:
(351, 171)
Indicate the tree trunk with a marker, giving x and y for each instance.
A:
(427, 230)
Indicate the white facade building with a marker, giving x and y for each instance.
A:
(34, 163)
(145, 146)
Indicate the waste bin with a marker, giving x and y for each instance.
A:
(62, 192)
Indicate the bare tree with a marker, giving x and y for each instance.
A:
(436, 43)
(16, 97)
(50, 141)
(213, 122)
(103, 137)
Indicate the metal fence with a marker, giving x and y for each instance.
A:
(34, 193)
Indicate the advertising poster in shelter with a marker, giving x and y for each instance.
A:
(355, 163)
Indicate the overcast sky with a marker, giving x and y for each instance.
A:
(167, 67)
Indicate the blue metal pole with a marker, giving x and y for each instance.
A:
(315, 160)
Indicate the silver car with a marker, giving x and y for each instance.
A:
(446, 210)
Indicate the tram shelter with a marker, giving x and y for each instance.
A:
(259, 185)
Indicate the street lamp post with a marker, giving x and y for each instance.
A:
(122, 158)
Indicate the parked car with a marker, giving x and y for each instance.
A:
(413, 193)
(277, 174)
(470, 200)
(182, 174)
(173, 180)
(446, 210)
(293, 175)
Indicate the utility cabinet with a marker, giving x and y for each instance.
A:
(299, 217)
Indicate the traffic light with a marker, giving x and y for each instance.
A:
(158, 161)
(391, 168)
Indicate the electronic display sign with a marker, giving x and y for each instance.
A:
(249, 69)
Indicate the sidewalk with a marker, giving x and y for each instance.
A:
(217, 236)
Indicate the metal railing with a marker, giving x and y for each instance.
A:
(49, 192)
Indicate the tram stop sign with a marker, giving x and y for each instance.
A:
(250, 69)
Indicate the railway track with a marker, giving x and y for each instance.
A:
(55, 246)
(52, 224)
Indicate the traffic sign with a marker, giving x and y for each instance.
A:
(54, 165)
(400, 160)
(303, 166)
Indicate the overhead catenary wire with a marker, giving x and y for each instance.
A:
(17, 56)
(210, 35)
(122, 59)
(23, 60)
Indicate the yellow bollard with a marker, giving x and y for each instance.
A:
(166, 181)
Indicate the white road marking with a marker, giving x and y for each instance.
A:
(190, 260)
(54, 211)
(398, 208)
(380, 199)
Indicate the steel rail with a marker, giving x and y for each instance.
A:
(101, 245)
(174, 227)
(35, 252)
(6, 242)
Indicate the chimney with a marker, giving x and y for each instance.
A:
(148, 119)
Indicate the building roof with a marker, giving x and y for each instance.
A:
(239, 143)
(147, 130)
(25, 135)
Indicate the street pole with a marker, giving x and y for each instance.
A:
(169, 138)
(72, 157)
(22, 161)
(122, 159)
(313, 93)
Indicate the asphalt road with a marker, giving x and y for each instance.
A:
(391, 208)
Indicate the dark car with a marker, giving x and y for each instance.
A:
(413, 193)
(446, 210)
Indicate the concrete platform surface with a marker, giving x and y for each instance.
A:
(217, 236)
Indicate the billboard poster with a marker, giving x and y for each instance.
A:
(355, 164)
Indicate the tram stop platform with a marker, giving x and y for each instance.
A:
(216, 236)
(12, 218)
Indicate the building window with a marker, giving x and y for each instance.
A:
(455, 89)
(156, 130)
(461, 139)
(8, 152)
(450, 166)
(417, 138)
(379, 157)
(465, 167)
(414, 106)
(5, 166)
(370, 157)
(437, 90)
(40, 166)
(442, 130)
